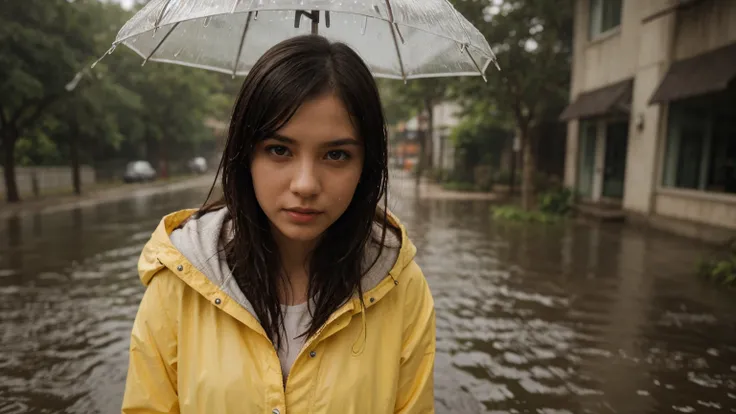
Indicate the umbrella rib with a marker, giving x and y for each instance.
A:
(396, 42)
(467, 42)
(161, 15)
(465, 48)
(155, 49)
(242, 42)
(120, 39)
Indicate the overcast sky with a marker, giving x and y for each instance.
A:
(126, 3)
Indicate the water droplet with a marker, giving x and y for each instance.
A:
(207, 21)
(95, 64)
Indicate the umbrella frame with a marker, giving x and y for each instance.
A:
(314, 17)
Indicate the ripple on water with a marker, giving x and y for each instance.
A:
(571, 318)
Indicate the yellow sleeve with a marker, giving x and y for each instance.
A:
(151, 386)
(416, 375)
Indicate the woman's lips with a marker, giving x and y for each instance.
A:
(298, 215)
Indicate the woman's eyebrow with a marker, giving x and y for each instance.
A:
(329, 144)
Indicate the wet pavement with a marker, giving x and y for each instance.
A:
(567, 318)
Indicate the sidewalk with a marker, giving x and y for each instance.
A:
(100, 194)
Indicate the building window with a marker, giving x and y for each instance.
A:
(701, 143)
(605, 15)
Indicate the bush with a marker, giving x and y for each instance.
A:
(514, 213)
(438, 175)
(504, 176)
(459, 186)
(483, 177)
(721, 271)
(557, 202)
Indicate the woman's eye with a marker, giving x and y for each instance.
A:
(338, 155)
(278, 150)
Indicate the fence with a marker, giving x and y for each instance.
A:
(49, 179)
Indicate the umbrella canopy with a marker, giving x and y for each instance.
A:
(399, 39)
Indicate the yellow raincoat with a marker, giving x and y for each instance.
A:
(196, 349)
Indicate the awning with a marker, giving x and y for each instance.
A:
(706, 73)
(610, 99)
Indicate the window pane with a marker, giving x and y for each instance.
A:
(611, 14)
(604, 16)
(586, 158)
(701, 143)
(691, 154)
(722, 172)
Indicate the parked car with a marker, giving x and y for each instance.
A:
(138, 172)
(198, 165)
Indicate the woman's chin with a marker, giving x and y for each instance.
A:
(301, 233)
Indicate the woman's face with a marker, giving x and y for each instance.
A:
(306, 174)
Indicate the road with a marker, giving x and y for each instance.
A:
(567, 318)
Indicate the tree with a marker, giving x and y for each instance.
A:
(47, 42)
(532, 40)
(482, 135)
(116, 110)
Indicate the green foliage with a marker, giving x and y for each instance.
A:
(553, 206)
(459, 186)
(517, 214)
(719, 270)
(439, 175)
(115, 111)
(503, 177)
(481, 139)
(558, 202)
(532, 40)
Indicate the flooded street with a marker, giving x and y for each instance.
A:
(568, 318)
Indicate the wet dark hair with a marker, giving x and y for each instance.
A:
(287, 75)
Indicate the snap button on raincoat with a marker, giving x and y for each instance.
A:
(196, 349)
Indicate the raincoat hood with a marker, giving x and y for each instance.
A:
(200, 241)
(196, 346)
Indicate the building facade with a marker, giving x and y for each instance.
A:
(652, 115)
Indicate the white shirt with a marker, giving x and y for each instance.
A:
(296, 322)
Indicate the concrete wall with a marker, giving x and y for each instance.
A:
(712, 209)
(598, 62)
(644, 49)
(653, 60)
(704, 27)
(50, 179)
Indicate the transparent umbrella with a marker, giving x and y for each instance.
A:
(399, 39)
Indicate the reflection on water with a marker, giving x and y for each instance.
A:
(545, 319)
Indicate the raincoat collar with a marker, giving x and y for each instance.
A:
(160, 253)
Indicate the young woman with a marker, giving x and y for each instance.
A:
(296, 293)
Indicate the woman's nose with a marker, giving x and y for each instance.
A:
(306, 182)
